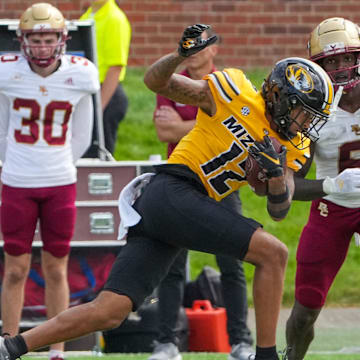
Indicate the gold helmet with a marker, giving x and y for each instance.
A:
(337, 36)
(42, 18)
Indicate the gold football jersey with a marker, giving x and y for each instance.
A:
(217, 147)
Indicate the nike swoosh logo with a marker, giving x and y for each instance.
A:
(275, 161)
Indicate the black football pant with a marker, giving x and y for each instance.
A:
(176, 213)
(171, 292)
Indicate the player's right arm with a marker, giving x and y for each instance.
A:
(82, 125)
(344, 184)
(161, 77)
(307, 189)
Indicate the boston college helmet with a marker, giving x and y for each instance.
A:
(337, 36)
(42, 18)
(296, 82)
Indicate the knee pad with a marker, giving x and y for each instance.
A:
(310, 297)
(17, 248)
(58, 249)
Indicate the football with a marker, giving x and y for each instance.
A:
(255, 175)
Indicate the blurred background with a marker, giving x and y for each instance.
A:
(255, 33)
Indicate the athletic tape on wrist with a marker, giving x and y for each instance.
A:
(279, 198)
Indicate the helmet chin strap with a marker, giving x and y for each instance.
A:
(337, 98)
(272, 123)
(277, 129)
(274, 126)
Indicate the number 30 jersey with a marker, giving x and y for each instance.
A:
(36, 119)
(217, 147)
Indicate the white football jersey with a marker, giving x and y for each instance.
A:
(337, 149)
(40, 112)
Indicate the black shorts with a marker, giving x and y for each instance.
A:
(176, 213)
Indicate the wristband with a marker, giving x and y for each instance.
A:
(279, 198)
(276, 172)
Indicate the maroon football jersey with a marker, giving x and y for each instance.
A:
(187, 112)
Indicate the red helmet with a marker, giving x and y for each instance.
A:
(337, 36)
(42, 18)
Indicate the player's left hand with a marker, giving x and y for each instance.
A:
(268, 158)
(345, 183)
(191, 41)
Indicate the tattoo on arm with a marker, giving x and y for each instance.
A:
(187, 91)
(160, 78)
(162, 70)
(158, 74)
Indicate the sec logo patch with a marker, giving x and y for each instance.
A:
(245, 111)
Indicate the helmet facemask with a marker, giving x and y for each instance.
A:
(350, 75)
(56, 50)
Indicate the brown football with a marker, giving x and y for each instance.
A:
(255, 175)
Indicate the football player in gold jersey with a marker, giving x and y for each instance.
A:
(179, 205)
(293, 105)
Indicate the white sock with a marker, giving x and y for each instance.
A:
(56, 353)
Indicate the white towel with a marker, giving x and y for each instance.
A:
(128, 215)
(357, 239)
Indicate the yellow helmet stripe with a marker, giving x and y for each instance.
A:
(329, 95)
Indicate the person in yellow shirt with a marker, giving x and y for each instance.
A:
(113, 35)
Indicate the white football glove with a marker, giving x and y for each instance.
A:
(347, 182)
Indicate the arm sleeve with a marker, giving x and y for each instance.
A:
(4, 124)
(82, 124)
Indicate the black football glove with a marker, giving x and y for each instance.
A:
(268, 159)
(191, 41)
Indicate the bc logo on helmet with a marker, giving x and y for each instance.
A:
(299, 78)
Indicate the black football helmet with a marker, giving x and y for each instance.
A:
(296, 82)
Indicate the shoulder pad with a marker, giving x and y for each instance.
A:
(85, 73)
(228, 83)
